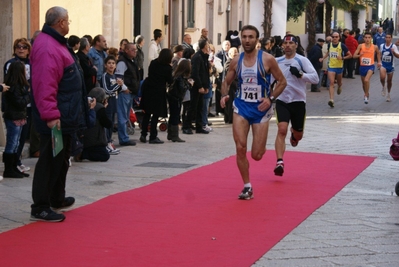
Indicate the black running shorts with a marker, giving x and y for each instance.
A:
(294, 112)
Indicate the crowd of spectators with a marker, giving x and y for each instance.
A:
(119, 72)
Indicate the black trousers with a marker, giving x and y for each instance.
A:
(229, 110)
(186, 107)
(350, 67)
(314, 87)
(154, 124)
(48, 188)
(174, 111)
(195, 110)
(357, 66)
(95, 153)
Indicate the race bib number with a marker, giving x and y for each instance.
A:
(366, 61)
(333, 54)
(386, 58)
(251, 92)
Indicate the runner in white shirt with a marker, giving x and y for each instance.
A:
(291, 103)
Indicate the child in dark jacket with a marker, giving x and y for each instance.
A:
(15, 101)
(112, 87)
(94, 140)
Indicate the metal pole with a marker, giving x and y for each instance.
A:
(182, 19)
(228, 15)
(335, 19)
(28, 19)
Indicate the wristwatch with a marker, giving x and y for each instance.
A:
(271, 98)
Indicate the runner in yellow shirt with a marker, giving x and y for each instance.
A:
(337, 53)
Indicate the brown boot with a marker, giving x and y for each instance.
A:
(175, 134)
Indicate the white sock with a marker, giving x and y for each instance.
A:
(247, 185)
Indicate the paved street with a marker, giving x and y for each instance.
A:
(357, 227)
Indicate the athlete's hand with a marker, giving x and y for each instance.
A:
(265, 104)
(53, 123)
(5, 87)
(294, 71)
(223, 101)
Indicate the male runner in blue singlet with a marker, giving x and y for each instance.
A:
(253, 101)
(388, 51)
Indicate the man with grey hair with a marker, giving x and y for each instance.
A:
(89, 70)
(127, 70)
(140, 55)
(187, 41)
(59, 104)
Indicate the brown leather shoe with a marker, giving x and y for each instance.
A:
(35, 155)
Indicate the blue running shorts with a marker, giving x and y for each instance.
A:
(250, 112)
(390, 69)
(336, 70)
(364, 69)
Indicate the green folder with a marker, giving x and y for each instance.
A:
(56, 136)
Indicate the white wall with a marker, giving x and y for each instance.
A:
(279, 17)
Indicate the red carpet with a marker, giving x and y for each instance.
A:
(193, 219)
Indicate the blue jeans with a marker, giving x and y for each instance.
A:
(12, 137)
(124, 105)
(321, 77)
(205, 106)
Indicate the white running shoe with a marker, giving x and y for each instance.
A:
(388, 98)
(1, 177)
(111, 147)
(366, 100)
(207, 128)
(112, 151)
(23, 168)
(383, 91)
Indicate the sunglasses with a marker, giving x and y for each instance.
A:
(335, 36)
(24, 47)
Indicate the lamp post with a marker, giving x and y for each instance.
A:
(228, 9)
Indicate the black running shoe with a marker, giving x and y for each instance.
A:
(47, 215)
(293, 141)
(279, 169)
(246, 193)
(68, 202)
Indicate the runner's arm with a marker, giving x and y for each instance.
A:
(378, 55)
(357, 52)
(395, 51)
